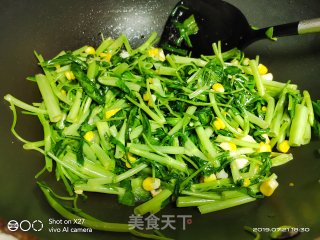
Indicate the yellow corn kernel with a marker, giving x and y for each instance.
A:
(218, 87)
(228, 146)
(108, 57)
(264, 147)
(105, 56)
(150, 183)
(262, 69)
(153, 52)
(284, 146)
(246, 182)
(264, 109)
(63, 92)
(69, 75)
(131, 158)
(157, 53)
(150, 103)
(89, 136)
(128, 165)
(219, 124)
(209, 178)
(112, 112)
(268, 187)
(146, 96)
(90, 50)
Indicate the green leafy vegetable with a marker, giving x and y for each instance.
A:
(187, 28)
(154, 128)
(89, 87)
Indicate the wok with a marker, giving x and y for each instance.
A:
(50, 26)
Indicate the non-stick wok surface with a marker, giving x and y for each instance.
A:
(50, 26)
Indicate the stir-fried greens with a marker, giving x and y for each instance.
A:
(153, 128)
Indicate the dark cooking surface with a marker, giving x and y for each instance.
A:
(50, 26)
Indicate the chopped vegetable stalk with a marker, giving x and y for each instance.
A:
(299, 125)
(79, 188)
(203, 195)
(281, 159)
(219, 205)
(165, 160)
(130, 172)
(24, 106)
(207, 145)
(308, 102)
(73, 113)
(153, 205)
(192, 201)
(50, 100)
(257, 77)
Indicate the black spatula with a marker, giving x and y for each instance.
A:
(220, 21)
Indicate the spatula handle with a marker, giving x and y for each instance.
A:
(309, 26)
(295, 28)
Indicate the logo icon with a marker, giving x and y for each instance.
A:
(13, 225)
(25, 225)
(37, 225)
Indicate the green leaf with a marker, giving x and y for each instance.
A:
(146, 125)
(187, 28)
(80, 157)
(204, 115)
(89, 86)
(128, 197)
(139, 193)
(266, 163)
(232, 70)
(120, 83)
(269, 34)
(65, 59)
